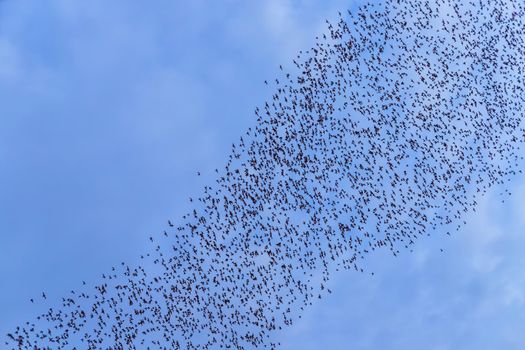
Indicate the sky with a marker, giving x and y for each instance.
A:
(109, 109)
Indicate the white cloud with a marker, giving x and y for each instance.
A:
(277, 15)
(9, 61)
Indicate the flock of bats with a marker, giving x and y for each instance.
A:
(389, 128)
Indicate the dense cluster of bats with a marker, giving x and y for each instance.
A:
(389, 128)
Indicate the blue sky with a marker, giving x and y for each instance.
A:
(108, 110)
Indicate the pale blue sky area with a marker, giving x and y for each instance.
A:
(109, 109)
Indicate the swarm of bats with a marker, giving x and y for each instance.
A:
(389, 128)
